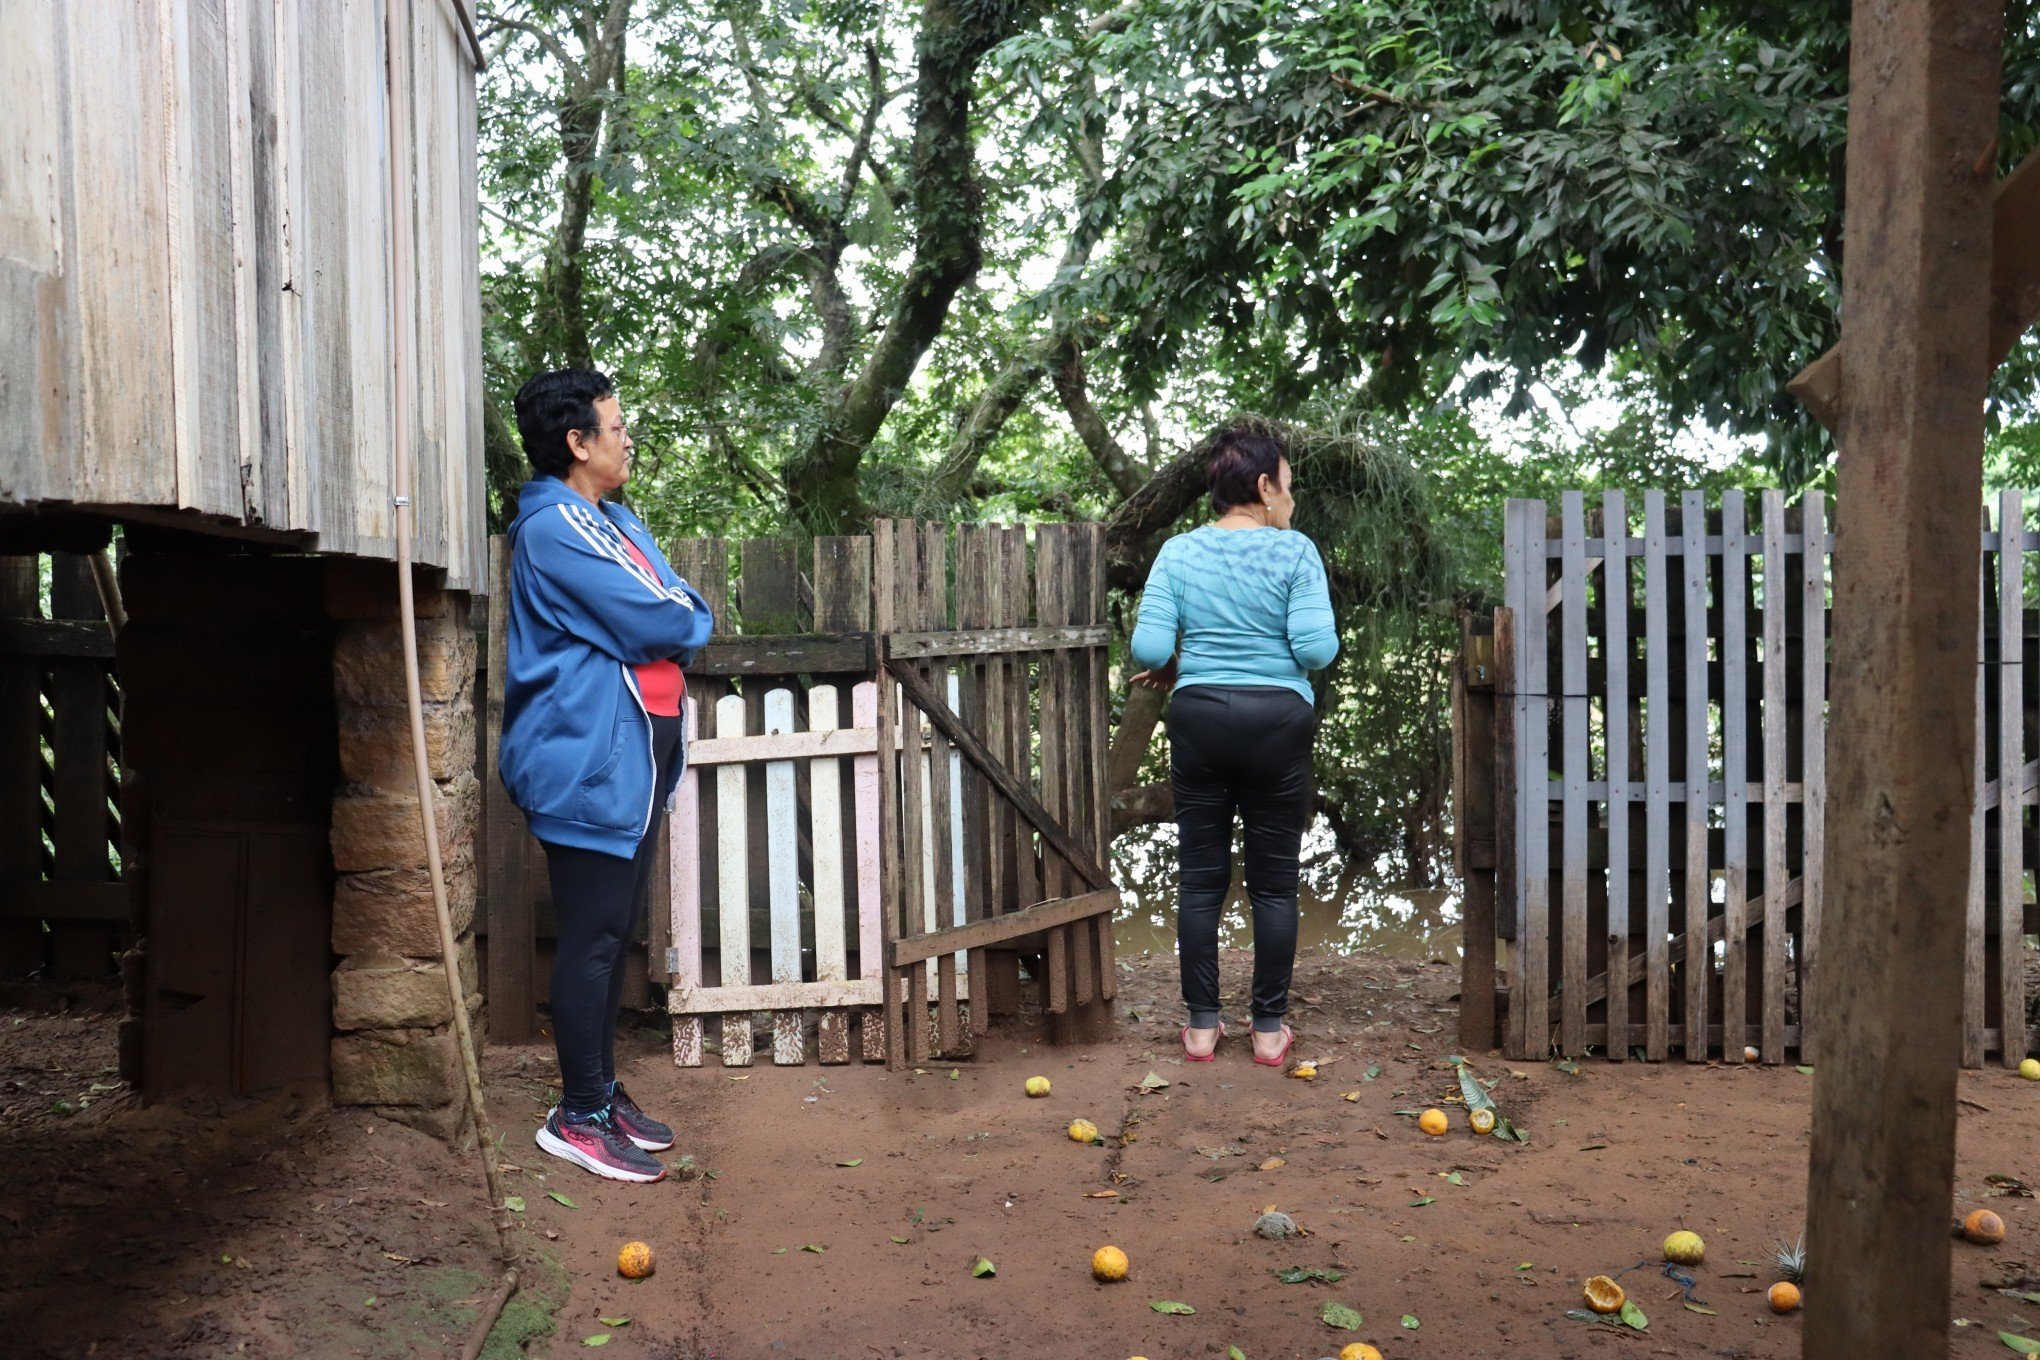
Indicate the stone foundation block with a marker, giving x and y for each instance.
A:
(389, 911)
(375, 829)
(407, 1067)
(375, 743)
(368, 661)
(378, 991)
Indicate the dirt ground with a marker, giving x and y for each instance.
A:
(280, 1228)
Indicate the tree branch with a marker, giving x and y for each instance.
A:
(731, 323)
(552, 45)
(994, 406)
(861, 147)
(948, 222)
(1091, 428)
(1133, 534)
(1148, 805)
(582, 111)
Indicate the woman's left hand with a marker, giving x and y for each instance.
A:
(1162, 678)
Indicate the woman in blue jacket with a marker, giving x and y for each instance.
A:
(599, 627)
(1234, 615)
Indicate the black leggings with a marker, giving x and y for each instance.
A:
(1246, 751)
(596, 897)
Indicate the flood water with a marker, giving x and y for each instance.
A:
(1341, 905)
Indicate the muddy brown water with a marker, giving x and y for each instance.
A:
(1340, 907)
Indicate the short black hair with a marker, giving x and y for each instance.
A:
(552, 403)
(1241, 455)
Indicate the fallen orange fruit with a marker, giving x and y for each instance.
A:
(1984, 1227)
(634, 1262)
(1603, 1295)
(1108, 1264)
(1783, 1296)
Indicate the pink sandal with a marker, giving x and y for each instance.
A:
(1212, 1056)
(1288, 1039)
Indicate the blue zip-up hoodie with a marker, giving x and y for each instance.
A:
(576, 752)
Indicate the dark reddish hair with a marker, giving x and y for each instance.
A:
(1241, 455)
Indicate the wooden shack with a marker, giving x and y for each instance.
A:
(196, 328)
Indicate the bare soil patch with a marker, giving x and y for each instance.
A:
(263, 1229)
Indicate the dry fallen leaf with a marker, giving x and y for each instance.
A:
(1272, 1163)
(1103, 1194)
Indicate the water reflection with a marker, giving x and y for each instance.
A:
(1342, 905)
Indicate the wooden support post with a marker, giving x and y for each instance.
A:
(513, 936)
(1923, 113)
(1473, 832)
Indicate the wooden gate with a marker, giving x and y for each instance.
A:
(1642, 745)
(897, 765)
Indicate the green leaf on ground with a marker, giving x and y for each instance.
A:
(779, 1251)
(1806, 1069)
(901, 1240)
(1569, 1067)
(557, 1198)
(1373, 1071)
(1633, 1316)
(1420, 1203)
(2024, 1345)
(983, 1268)
(1410, 1323)
(1527, 1265)
(1308, 1274)
(1704, 1312)
(1171, 1307)
(599, 1339)
(1235, 1353)
(514, 1203)
(1344, 1318)
(854, 1161)
(614, 1322)
(815, 1247)
(1472, 1092)
(1151, 1082)
(1452, 1178)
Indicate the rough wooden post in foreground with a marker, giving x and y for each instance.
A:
(1923, 84)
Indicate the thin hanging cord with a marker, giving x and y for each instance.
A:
(399, 125)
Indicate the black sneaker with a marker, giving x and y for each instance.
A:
(596, 1144)
(647, 1132)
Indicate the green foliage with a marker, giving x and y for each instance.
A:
(1408, 193)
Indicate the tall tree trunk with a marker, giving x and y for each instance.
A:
(948, 219)
(593, 87)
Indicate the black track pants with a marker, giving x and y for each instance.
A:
(596, 897)
(1245, 752)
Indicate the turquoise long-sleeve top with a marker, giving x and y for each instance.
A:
(1251, 607)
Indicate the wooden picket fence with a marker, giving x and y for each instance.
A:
(897, 755)
(1652, 790)
(63, 910)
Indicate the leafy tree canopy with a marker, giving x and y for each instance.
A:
(1010, 258)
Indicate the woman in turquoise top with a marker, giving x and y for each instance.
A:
(1234, 617)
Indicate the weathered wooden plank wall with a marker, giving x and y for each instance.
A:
(194, 268)
(1702, 682)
